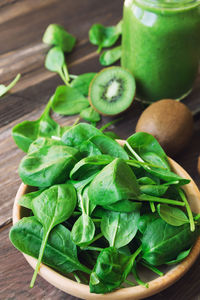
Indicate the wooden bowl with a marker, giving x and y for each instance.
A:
(130, 293)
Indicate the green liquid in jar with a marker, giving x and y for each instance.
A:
(161, 46)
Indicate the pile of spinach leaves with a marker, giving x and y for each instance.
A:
(100, 210)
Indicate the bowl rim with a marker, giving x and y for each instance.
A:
(130, 293)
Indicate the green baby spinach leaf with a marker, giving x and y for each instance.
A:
(26, 200)
(181, 256)
(60, 252)
(87, 148)
(172, 215)
(68, 101)
(28, 131)
(82, 83)
(146, 219)
(146, 181)
(162, 242)
(83, 230)
(52, 207)
(124, 206)
(119, 228)
(55, 62)
(108, 146)
(109, 57)
(154, 190)
(48, 165)
(112, 135)
(102, 36)
(91, 115)
(110, 270)
(44, 142)
(148, 148)
(58, 36)
(4, 89)
(89, 165)
(79, 133)
(111, 186)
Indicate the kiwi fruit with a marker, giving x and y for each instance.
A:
(112, 91)
(170, 122)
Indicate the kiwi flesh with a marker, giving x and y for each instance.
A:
(112, 91)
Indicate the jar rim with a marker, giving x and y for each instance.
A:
(167, 4)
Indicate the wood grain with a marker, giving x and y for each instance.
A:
(22, 24)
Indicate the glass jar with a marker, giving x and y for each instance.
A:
(161, 46)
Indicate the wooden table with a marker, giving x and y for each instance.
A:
(22, 24)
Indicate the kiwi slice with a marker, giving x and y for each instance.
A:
(112, 91)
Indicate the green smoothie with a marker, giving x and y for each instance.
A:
(161, 46)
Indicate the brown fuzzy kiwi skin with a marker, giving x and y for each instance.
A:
(170, 122)
(89, 94)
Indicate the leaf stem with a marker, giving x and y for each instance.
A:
(44, 241)
(104, 127)
(129, 282)
(11, 85)
(144, 197)
(137, 278)
(72, 76)
(92, 248)
(98, 236)
(187, 206)
(66, 73)
(153, 269)
(134, 153)
(152, 206)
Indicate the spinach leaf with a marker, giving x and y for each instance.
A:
(172, 215)
(148, 148)
(87, 148)
(4, 89)
(58, 36)
(181, 256)
(60, 252)
(52, 207)
(68, 101)
(146, 219)
(162, 242)
(146, 181)
(55, 62)
(89, 114)
(83, 230)
(110, 270)
(82, 82)
(124, 206)
(154, 190)
(44, 142)
(26, 200)
(28, 131)
(89, 165)
(112, 135)
(48, 165)
(104, 36)
(111, 186)
(79, 133)
(119, 228)
(167, 176)
(109, 57)
(108, 146)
